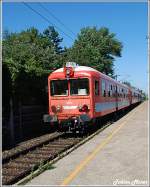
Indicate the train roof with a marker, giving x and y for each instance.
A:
(78, 68)
(89, 69)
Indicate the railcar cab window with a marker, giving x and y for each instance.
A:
(79, 86)
(59, 87)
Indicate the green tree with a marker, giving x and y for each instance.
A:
(6, 87)
(54, 38)
(96, 48)
(30, 56)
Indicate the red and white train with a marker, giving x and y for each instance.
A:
(80, 94)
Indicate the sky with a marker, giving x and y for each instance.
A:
(129, 21)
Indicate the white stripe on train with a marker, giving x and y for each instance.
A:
(99, 107)
(78, 68)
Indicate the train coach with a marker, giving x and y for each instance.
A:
(78, 95)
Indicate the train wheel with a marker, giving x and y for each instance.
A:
(98, 122)
(84, 128)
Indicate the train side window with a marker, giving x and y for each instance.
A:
(96, 87)
(104, 93)
(126, 93)
(103, 85)
(114, 91)
(109, 90)
(118, 92)
(123, 93)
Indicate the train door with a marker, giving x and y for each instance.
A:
(130, 96)
(96, 94)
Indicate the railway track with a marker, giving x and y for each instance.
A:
(19, 164)
(27, 146)
(29, 156)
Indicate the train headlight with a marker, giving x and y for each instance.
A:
(53, 108)
(84, 108)
(56, 108)
(69, 72)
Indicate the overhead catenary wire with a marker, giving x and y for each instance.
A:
(56, 18)
(44, 18)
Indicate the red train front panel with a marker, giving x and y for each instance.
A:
(70, 98)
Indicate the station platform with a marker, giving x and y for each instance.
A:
(116, 156)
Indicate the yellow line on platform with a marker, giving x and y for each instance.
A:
(83, 163)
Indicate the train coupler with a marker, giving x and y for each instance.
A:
(75, 123)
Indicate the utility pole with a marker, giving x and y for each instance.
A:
(116, 77)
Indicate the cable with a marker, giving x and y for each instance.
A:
(50, 13)
(44, 18)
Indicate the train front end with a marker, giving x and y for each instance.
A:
(69, 98)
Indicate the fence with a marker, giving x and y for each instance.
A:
(23, 123)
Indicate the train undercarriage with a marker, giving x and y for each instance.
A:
(82, 124)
